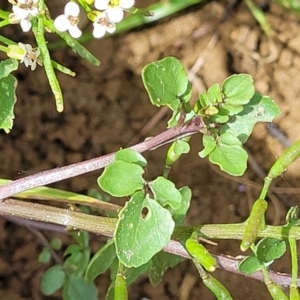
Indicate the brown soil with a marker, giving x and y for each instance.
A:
(106, 107)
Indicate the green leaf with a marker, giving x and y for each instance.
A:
(72, 249)
(110, 291)
(181, 147)
(76, 288)
(238, 89)
(101, 261)
(175, 151)
(56, 243)
(204, 100)
(121, 179)
(269, 249)
(166, 83)
(232, 110)
(249, 265)
(220, 117)
(52, 280)
(214, 94)
(7, 102)
(209, 143)
(165, 192)
(82, 238)
(133, 273)
(161, 262)
(7, 66)
(131, 156)
(45, 256)
(77, 261)
(139, 237)
(259, 109)
(229, 155)
(180, 213)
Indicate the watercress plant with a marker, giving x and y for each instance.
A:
(147, 234)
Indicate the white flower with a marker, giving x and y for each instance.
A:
(23, 11)
(25, 53)
(114, 8)
(102, 24)
(69, 20)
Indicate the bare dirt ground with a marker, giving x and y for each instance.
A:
(106, 108)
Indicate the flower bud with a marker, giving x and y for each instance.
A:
(14, 51)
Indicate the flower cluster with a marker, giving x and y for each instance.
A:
(23, 11)
(69, 20)
(108, 13)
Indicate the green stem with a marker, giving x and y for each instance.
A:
(38, 31)
(4, 23)
(234, 231)
(265, 188)
(3, 49)
(294, 293)
(260, 17)
(6, 41)
(4, 14)
(106, 227)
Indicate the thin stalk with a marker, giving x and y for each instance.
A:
(4, 14)
(6, 41)
(3, 48)
(59, 174)
(294, 293)
(106, 226)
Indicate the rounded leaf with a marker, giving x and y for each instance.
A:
(165, 192)
(131, 156)
(229, 155)
(45, 256)
(249, 265)
(166, 82)
(214, 94)
(139, 237)
(121, 179)
(209, 143)
(269, 249)
(238, 89)
(76, 288)
(52, 280)
(101, 261)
